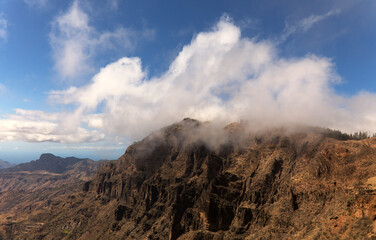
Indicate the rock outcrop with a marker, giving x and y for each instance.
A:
(190, 181)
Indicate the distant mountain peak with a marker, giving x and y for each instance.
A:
(48, 162)
(46, 155)
(5, 164)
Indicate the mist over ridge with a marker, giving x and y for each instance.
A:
(219, 77)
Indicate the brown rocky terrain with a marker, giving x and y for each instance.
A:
(26, 190)
(191, 181)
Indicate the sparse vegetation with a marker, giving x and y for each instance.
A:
(361, 228)
(337, 134)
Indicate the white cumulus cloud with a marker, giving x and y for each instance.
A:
(219, 76)
(75, 42)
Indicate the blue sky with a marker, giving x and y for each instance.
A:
(86, 78)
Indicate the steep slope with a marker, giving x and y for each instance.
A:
(190, 181)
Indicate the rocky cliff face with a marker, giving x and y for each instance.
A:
(186, 182)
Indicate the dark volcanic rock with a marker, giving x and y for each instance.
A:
(189, 182)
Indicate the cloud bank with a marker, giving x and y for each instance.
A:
(38, 126)
(218, 76)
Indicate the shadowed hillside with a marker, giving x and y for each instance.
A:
(47, 162)
(191, 181)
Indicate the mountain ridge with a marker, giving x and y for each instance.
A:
(47, 162)
(191, 181)
(27, 190)
(5, 164)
